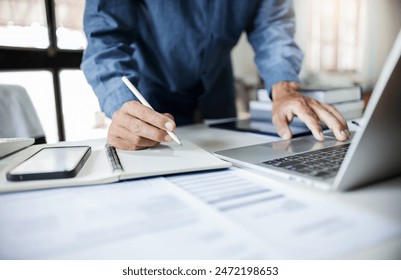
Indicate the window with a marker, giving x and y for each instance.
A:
(69, 20)
(23, 23)
(334, 44)
(82, 116)
(41, 46)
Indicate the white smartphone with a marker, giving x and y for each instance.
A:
(51, 163)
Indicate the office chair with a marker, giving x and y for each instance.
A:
(18, 117)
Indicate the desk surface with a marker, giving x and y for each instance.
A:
(382, 199)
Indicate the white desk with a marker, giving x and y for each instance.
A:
(382, 199)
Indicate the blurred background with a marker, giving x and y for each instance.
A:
(345, 42)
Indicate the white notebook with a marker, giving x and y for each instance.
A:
(164, 159)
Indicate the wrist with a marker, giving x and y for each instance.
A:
(284, 88)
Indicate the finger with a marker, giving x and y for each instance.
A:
(335, 113)
(139, 127)
(124, 144)
(122, 138)
(136, 140)
(280, 122)
(311, 120)
(148, 115)
(170, 116)
(339, 117)
(330, 120)
(143, 129)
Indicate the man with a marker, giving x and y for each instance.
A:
(177, 53)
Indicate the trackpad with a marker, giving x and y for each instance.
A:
(272, 150)
(300, 145)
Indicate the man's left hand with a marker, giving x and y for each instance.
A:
(288, 102)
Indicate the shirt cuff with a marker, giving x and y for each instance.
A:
(275, 78)
(116, 99)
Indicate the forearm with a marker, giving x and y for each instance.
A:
(277, 56)
(110, 31)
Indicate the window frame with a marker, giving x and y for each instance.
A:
(317, 43)
(50, 59)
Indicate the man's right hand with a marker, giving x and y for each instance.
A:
(135, 126)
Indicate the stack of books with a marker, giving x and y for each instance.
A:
(347, 100)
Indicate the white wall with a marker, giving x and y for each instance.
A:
(243, 61)
(382, 24)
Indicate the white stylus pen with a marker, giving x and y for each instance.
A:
(138, 95)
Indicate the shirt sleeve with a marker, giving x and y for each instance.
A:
(110, 28)
(271, 34)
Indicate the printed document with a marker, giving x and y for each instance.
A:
(145, 219)
(291, 226)
(229, 214)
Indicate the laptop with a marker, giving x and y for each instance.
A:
(12, 145)
(372, 154)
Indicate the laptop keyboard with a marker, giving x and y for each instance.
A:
(323, 163)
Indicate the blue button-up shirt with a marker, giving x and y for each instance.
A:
(177, 52)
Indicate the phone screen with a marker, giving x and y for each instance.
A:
(51, 163)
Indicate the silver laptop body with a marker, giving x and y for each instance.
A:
(375, 149)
